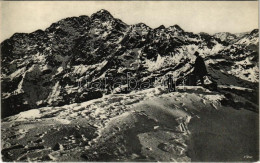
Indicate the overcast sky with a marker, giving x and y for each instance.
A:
(192, 16)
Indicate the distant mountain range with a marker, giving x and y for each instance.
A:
(45, 68)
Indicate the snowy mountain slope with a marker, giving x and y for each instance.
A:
(148, 125)
(225, 36)
(45, 68)
(55, 109)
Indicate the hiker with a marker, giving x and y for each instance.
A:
(170, 84)
(199, 69)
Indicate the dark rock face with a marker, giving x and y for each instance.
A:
(53, 67)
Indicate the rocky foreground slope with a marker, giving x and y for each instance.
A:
(193, 124)
(65, 95)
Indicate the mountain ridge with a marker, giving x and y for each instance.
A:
(107, 13)
(43, 68)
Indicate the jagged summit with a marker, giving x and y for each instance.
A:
(255, 31)
(225, 36)
(143, 25)
(160, 27)
(102, 14)
(176, 28)
(103, 11)
(69, 22)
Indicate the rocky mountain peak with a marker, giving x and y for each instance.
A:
(255, 31)
(176, 28)
(225, 36)
(141, 25)
(102, 15)
(71, 22)
(160, 27)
